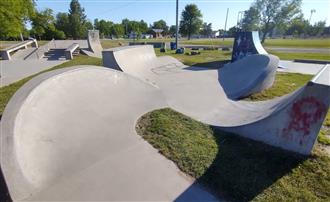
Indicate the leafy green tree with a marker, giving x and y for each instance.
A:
(13, 14)
(117, 30)
(206, 29)
(317, 29)
(160, 24)
(297, 26)
(191, 21)
(77, 20)
(103, 26)
(274, 13)
(251, 20)
(63, 24)
(172, 31)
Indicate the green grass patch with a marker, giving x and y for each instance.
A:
(300, 55)
(298, 43)
(232, 167)
(7, 92)
(206, 58)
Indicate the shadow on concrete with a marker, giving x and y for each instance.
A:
(214, 65)
(55, 54)
(4, 193)
(243, 168)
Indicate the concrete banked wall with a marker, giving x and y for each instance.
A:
(239, 79)
(78, 141)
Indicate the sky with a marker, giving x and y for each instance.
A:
(214, 11)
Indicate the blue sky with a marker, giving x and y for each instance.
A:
(214, 11)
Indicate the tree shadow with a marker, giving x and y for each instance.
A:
(214, 64)
(4, 193)
(243, 168)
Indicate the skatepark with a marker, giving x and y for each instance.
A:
(57, 145)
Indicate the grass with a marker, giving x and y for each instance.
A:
(207, 58)
(5, 44)
(7, 92)
(232, 167)
(300, 55)
(298, 43)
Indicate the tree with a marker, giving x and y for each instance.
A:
(172, 31)
(103, 26)
(232, 31)
(77, 20)
(317, 29)
(43, 25)
(275, 13)
(251, 19)
(191, 21)
(13, 14)
(117, 30)
(206, 29)
(62, 23)
(160, 24)
(297, 26)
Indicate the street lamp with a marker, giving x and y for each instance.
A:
(310, 17)
(177, 24)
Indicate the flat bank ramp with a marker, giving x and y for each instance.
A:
(78, 142)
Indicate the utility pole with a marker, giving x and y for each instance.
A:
(177, 24)
(225, 25)
(310, 17)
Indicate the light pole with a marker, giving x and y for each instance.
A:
(310, 17)
(225, 25)
(177, 24)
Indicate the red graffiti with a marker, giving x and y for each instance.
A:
(303, 114)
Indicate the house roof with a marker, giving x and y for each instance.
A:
(158, 30)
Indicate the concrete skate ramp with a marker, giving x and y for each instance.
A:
(249, 75)
(239, 79)
(139, 61)
(291, 122)
(94, 43)
(77, 142)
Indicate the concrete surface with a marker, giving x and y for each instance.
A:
(80, 144)
(297, 67)
(196, 92)
(94, 44)
(249, 75)
(239, 79)
(15, 70)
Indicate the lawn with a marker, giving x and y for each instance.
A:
(232, 167)
(301, 55)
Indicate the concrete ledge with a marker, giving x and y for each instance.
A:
(69, 51)
(5, 53)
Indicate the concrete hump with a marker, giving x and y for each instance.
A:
(249, 75)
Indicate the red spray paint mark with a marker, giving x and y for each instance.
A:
(303, 114)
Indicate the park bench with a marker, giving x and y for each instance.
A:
(72, 50)
(5, 53)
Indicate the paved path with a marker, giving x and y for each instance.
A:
(15, 70)
(279, 49)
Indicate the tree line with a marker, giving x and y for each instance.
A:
(268, 16)
(14, 15)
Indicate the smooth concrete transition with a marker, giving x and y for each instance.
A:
(203, 94)
(249, 75)
(77, 142)
(239, 79)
